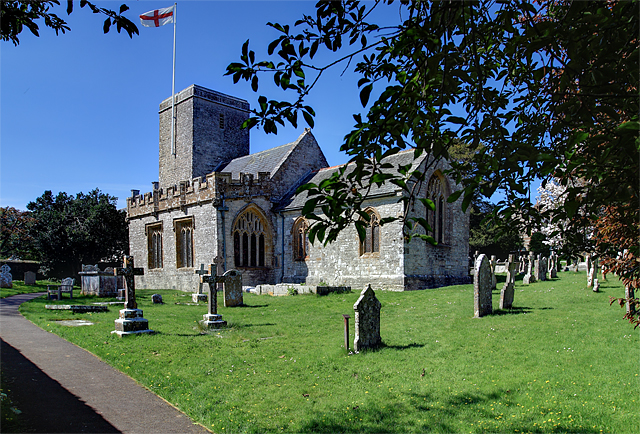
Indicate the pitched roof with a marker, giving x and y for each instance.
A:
(264, 161)
(292, 201)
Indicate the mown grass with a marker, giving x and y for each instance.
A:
(562, 360)
(20, 288)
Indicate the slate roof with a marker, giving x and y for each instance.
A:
(264, 161)
(292, 201)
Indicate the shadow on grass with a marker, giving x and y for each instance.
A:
(513, 311)
(253, 305)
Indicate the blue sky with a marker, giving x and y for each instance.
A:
(80, 111)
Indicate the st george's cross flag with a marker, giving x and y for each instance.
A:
(158, 17)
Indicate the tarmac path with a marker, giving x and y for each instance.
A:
(62, 388)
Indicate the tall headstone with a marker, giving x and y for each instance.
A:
(482, 303)
(212, 319)
(527, 279)
(553, 266)
(508, 289)
(492, 264)
(200, 295)
(6, 280)
(592, 270)
(29, 278)
(543, 269)
(596, 285)
(232, 288)
(131, 320)
(629, 293)
(367, 320)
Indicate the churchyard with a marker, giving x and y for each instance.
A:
(561, 360)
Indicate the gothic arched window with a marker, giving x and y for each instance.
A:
(154, 245)
(249, 240)
(371, 242)
(437, 218)
(299, 239)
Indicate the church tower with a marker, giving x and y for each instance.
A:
(208, 132)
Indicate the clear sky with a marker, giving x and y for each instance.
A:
(80, 111)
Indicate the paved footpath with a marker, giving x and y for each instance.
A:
(62, 388)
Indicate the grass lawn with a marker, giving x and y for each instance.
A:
(562, 360)
(20, 288)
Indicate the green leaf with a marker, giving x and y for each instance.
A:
(364, 94)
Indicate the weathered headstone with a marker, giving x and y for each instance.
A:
(367, 320)
(492, 264)
(553, 265)
(482, 304)
(232, 288)
(543, 269)
(211, 319)
(536, 268)
(596, 285)
(508, 289)
(629, 294)
(592, 270)
(200, 295)
(131, 320)
(527, 279)
(29, 278)
(6, 280)
(157, 299)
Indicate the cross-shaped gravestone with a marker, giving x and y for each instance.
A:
(129, 271)
(212, 319)
(201, 271)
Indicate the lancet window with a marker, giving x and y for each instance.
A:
(184, 243)
(154, 246)
(371, 242)
(299, 239)
(437, 218)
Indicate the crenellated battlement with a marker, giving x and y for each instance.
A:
(198, 191)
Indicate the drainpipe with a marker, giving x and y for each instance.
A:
(222, 208)
(282, 248)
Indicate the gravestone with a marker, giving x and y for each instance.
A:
(367, 320)
(592, 270)
(6, 280)
(157, 299)
(100, 283)
(553, 266)
(211, 319)
(131, 320)
(232, 288)
(492, 264)
(596, 285)
(482, 304)
(200, 295)
(543, 269)
(536, 268)
(629, 293)
(508, 289)
(526, 280)
(29, 278)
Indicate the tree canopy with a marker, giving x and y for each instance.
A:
(15, 15)
(539, 90)
(69, 231)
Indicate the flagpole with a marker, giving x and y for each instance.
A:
(173, 86)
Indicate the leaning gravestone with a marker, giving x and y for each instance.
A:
(6, 280)
(131, 320)
(367, 320)
(29, 278)
(506, 295)
(482, 287)
(492, 264)
(232, 288)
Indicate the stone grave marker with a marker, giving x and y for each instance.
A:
(526, 280)
(482, 304)
(131, 320)
(157, 299)
(232, 288)
(6, 280)
(200, 295)
(29, 278)
(553, 266)
(536, 268)
(506, 295)
(492, 264)
(367, 320)
(211, 319)
(543, 269)
(592, 270)
(596, 285)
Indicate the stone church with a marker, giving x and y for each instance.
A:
(214, 199)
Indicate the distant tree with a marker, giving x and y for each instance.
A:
(15, 234)
(15, 15)
(70, 231)
(538, 244)
(490, 235)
